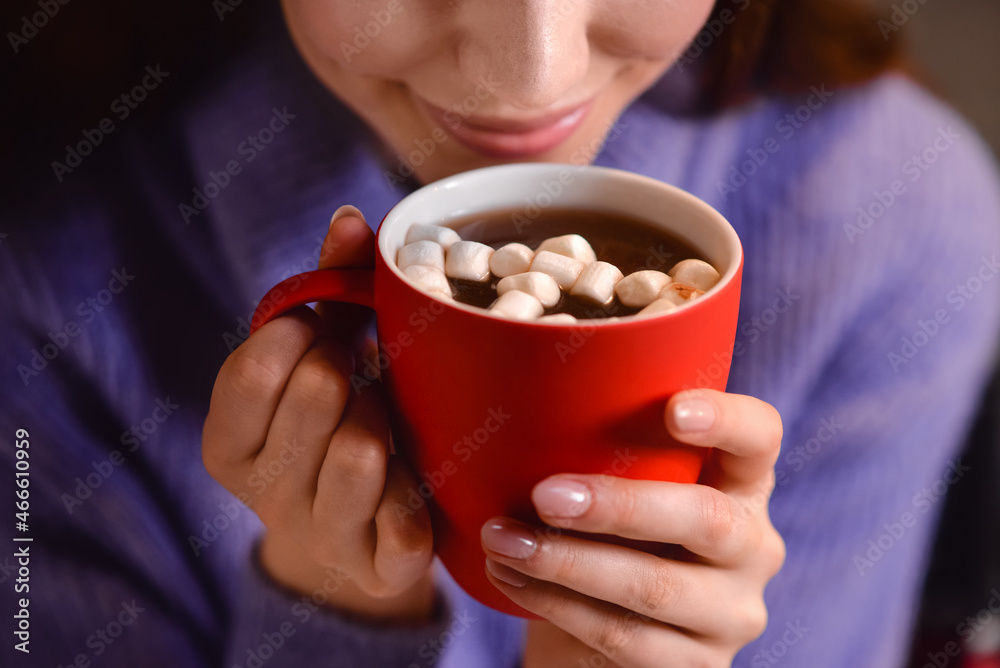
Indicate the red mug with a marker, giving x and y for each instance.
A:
(483, 407)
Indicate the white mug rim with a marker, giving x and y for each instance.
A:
(502, 187)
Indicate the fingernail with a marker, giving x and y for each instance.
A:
(694, 415)
(561, 498)
(346, 210)
(506, 574)
(507, 539)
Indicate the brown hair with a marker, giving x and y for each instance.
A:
(787, 46)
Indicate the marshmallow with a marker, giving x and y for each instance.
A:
(679, 293)
(425, 253)
(695, 273)
(517, 305)
(558, 319)
(436, 233)
(428, 279)
(541, 286)
(570, 245)
(511, 259)
(597, 282)
(657, 307)
(560, 267)
(469, 260)
(641, 288)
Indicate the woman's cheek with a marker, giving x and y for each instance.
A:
(656, 30)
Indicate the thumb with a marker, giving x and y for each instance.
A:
(349, 241)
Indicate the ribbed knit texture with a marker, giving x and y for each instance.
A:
(824, 308)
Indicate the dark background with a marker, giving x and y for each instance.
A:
(956, 44)
(64, 79)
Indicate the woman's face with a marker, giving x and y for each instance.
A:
(452, 85)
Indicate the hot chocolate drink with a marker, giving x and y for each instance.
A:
(567, 264)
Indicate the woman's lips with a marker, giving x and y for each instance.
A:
(510, 138)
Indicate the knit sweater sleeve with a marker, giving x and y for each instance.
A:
(129, 554)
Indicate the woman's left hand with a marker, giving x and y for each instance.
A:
(696, 607)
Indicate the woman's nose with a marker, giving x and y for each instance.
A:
(536, 50)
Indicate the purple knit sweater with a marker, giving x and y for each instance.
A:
(870, 220)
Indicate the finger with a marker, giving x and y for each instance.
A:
(349, 241)
(700, 518)
(247, 391)
(286, 471)
(685, 595)
(745, 432)
(405, 544)
(628, 638)
(352, 478)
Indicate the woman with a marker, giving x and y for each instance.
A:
(859, 307)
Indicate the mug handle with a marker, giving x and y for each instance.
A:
(354, 286)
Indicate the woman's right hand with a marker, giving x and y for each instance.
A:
(287, 433)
